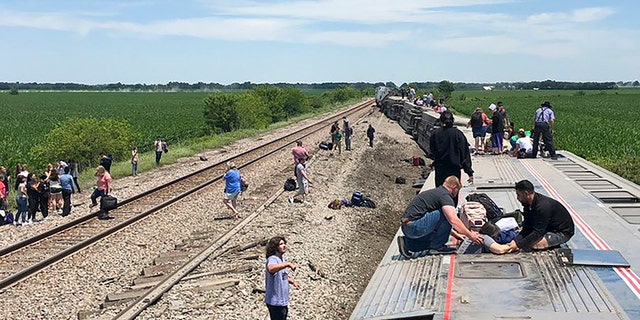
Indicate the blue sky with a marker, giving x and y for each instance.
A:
(146, 41)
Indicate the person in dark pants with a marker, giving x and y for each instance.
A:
(543, 122)
(66, 182)
(74, 173)
(370, 132)
(44, 188)
(33, 196)
(497, 129)
(277, 279)
(449, 151)
(105, 161)
(547, 223)
(428, 219)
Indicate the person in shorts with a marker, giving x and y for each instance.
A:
(478, 124)
(231, 188)
(303, 182)
(547, 223)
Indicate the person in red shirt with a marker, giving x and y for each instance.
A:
(299, 151)
(103, 184)
(3, 197)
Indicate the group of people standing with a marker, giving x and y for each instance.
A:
(346, 131)
(47, 192)
(504, 138)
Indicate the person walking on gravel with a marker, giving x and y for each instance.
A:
(277, 279)
(303, 182)
(370, 132)
(231, 188)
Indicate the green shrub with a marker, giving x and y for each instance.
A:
(83, 139)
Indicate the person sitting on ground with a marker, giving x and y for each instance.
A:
(427, 221)
(523, 147)
(547, 223)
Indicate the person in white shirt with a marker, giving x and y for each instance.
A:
(524, 147)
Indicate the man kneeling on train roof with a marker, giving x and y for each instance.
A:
(427, 221)
(547, 223)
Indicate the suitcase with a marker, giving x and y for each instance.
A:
(108, 203)
(473, 215)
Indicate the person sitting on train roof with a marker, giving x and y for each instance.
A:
(547, 223)
(523, 145)
(427, 221)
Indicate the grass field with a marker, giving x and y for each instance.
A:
(28, 116)
(597, 125)
(600, 126)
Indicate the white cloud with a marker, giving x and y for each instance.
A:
(591, 14)
(361, 23)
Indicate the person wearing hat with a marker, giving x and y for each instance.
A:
(497, 129)
(543, 122)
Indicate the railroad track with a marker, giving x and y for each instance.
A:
(27, 257)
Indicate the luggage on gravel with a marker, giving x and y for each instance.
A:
(108, 203)
(290, 184)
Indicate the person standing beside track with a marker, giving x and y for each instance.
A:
(299, 151)
(428, 219)
(543, 122)
(450, 151)
(547, 223)
(370, 132)
(277, 279)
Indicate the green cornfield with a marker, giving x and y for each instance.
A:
(599, 126)
(28, 116)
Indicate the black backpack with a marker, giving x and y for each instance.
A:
(290, 185)
(476, 120)
(494, 213)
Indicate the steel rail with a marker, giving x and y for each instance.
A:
(28, 271)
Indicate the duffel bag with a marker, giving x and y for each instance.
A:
(108, 203)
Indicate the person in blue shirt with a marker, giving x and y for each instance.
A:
(231, 188)
(543, 122)
(277, 279)
(66, 182)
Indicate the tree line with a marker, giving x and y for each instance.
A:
(201, 86)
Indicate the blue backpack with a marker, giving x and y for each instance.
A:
(8, 218)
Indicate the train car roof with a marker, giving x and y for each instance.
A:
(606, 211)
